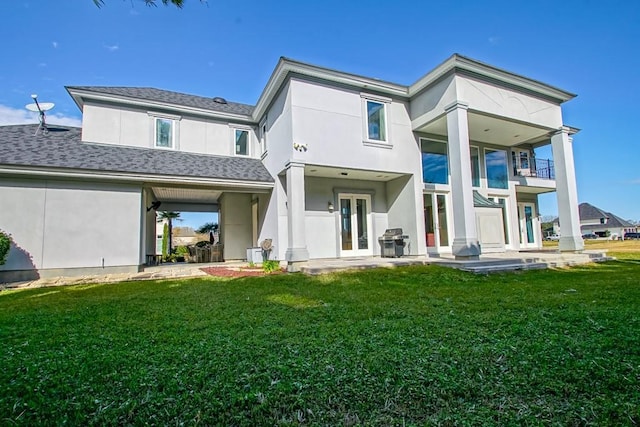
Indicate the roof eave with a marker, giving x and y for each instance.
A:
(132, 177)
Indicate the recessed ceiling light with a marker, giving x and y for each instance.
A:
(516, 136)
(313, 170)
(344, 173)
(486, 130)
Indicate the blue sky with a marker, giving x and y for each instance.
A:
(229, 49)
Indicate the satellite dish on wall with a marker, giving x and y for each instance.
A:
(40, 108)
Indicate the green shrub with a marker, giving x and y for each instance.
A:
(182, 250)
(270, 266)
(5, 245)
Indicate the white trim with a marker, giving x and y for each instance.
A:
(164, 115)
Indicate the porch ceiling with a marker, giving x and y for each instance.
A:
(492, 130)
(346, 173)
(186, 195)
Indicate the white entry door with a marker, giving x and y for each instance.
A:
(355, 225)
(528, 225)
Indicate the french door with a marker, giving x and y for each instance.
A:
(355, 225)
(436, 222)
(528, 225)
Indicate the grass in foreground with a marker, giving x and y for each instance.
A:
(410, 346)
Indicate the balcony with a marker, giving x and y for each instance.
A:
(538, 178)
(539, 168)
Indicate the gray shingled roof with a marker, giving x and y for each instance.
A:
(168, 97)
(62, 148)
(588, 211)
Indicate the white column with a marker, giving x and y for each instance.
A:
(566, 192)
(465, 243)
(297, 242)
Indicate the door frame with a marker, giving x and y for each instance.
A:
(353, 197)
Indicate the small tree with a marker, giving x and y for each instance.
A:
(165, 241)
(170, 217)
(5, 245)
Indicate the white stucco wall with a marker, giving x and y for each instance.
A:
(486, 98)
(235, 225)
(109, 124)
(70, 225)
(330, 121)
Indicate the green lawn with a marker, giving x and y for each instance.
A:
(409, 346)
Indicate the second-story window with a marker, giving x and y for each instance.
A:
(164, 133)
(496, 165)
(376, 121)
(241, 142)
(435, 162)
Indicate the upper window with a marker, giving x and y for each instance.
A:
(263, 138)
(475, 166)
(435, 162)
(241, 142)
(376, 121)
(164, 133)
(497, 170)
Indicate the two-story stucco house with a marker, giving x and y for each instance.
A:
(322, 164)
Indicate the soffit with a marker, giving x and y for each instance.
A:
(347, 173)
(492, 130)
(186, 195)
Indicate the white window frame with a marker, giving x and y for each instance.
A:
(386, 102)
(175, 129)
(234, 129)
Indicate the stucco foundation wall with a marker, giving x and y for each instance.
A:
(70, 225)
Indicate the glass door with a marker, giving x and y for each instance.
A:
(355, 224)
(522, 162)
(436, 222)
(528, 225)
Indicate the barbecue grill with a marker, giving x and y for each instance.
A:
(392, 243)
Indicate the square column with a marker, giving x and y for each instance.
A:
(566, 192)
(465, 243)
(297, 251)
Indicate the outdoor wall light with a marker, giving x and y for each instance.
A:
(330, 207)
(154, 205)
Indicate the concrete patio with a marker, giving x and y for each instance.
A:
(490, 263)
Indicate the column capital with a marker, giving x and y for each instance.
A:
(294, 164)
(562, 130)
(456, 105)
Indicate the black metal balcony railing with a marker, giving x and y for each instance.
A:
(539, 168)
